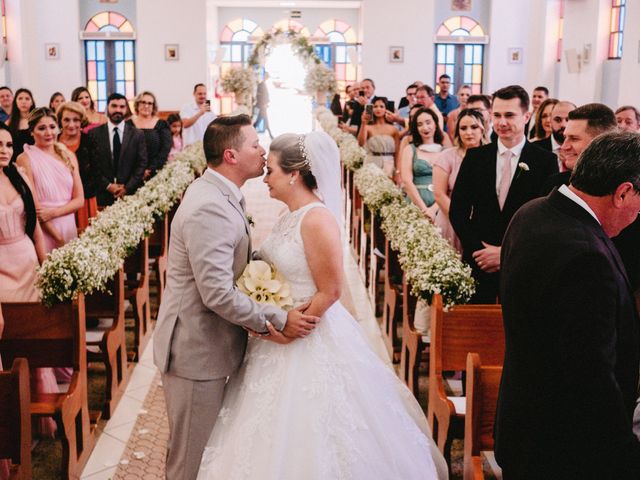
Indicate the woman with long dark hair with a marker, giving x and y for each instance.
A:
(23, 104)
(94, 118)
(379, 137)
(21, 251)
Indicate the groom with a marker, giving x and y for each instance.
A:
(200, 339)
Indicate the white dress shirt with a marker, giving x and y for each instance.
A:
(232, 186)
(196, 131)
(566, 191)
(112, 128)
(555, 148)
(515, 159)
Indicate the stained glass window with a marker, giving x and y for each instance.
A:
(618, 12)
(4, 27)
(235, 39)
(287, 24)
(339, 53)
(110, 64)
(463, 62)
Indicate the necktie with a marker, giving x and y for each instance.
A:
(116, 151)
(505, 181)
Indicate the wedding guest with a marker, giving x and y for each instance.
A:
(23, 104)
(468, 133)
(542, 125)
(380, 137)
(482, 103)
(175, 124)
(628, 118)
(494, 181)
(464, 92)
(121, 153)
(417, 161)
(157, 134)
(71, 117)
(336, 106)
(444, 100)
(94, 118)
(21, 252)
(6, 100)
(56, 100)
(53, 171)
(407, 101)
(570, 378)
(559, 119)
(196, 116)
(539, 95)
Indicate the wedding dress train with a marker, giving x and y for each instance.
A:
(320, 408)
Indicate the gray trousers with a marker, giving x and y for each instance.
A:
(636, 420)
(192, 408)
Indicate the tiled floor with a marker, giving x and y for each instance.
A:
(132, 444)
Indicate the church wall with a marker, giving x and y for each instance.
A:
(628, 91)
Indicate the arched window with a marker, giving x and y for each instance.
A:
(4, 27)
(109, 47)
(460, 44)
(618, 12)
(560, 30)
(339, 49)
(235, 40)
(287, 24)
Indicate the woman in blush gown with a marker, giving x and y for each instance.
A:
(21, 250)
(324, 406)
(54, 172)
(380, 137)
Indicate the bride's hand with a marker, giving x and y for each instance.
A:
(303, 307)
(299, 324)
(276, 336)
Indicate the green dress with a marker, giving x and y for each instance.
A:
(423, 178)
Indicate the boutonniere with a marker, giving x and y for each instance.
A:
(250, 221)
(523, 167)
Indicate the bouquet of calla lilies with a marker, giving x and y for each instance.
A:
(264, 284)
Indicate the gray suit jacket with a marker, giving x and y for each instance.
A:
(199, 332)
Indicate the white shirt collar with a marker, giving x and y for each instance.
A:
(112, 126)
(566, 191)
(516, 150)
(232, 186)
(555, 146)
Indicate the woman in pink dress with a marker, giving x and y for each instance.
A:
(94, 118)
(469, 133)
(54, 172)
(21, 251)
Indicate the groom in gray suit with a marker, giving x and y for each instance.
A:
(199, 339)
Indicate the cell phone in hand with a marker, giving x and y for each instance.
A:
(391, 106)
(208, 103)
(361, 93)
(369, 109)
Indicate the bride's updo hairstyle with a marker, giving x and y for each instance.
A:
(292, 157)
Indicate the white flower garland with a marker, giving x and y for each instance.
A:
(241, 82)
(88, 262)
(431, 265)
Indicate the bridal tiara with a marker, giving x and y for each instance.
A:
(303, 151)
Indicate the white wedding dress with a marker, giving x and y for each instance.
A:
(323, 407)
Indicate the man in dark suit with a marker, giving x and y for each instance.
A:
(494, 181)
(121, 153)
(570, 378)
(559, 118)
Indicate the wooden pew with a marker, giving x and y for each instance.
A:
(455, 333)
(158, 251)
(15, 419)
(110, 342)
(356, 212)
(392, 303)
(364, 242)
(412, 344)
(376, 243)
(55, 337)
(483, 385)
(136, 267)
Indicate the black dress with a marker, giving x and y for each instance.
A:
(20, 139)
(85, 154)
(159, 142)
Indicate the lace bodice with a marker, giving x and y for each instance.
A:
(285, 251)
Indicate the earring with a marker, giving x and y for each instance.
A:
(292, 181)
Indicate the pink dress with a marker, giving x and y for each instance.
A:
(176, 148)
(18, 263)
(54, 188)
(449, 161)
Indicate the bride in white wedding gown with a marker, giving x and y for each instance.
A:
(325, 406)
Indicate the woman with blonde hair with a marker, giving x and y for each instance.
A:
(54, 173)
(157, 134)
(71, 117)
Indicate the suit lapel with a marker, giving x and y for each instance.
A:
(126, 138)
(520, 177)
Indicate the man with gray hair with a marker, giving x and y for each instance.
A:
(628, 118)
(570, 377)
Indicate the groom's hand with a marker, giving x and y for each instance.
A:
(276, 336)
(299, 324)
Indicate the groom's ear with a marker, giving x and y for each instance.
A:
(229, 156)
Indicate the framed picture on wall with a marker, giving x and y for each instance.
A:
(172, 52)
(515, 55)
(461, 5)
(396, 54)
(52, 51)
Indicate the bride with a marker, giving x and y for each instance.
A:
(325, 406)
